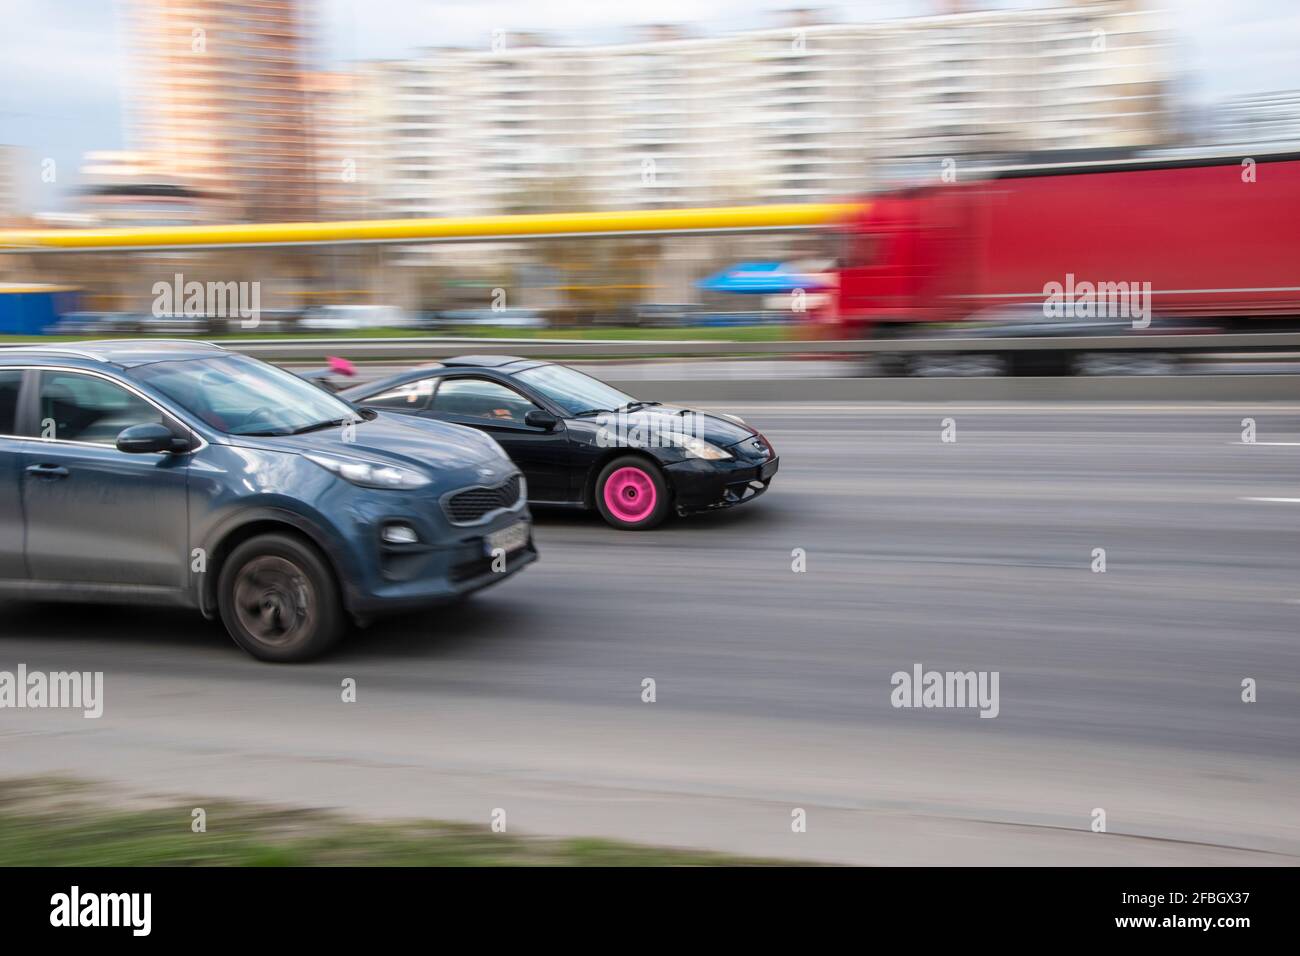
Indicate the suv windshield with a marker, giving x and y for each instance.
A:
(572, 391)
(239, 395)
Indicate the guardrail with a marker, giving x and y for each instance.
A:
(1030, 389)
(1270, 387)
(433, 347)
(429, 348)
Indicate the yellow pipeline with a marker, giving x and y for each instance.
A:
(649, 222)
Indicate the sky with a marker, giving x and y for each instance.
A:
(64, 72)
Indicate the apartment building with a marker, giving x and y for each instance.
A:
(343, 156)
(11, 199)
(222, 103)
(131, 188)
(804, 111)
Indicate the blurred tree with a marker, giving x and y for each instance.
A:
(593, 279)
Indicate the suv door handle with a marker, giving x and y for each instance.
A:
(47, 471)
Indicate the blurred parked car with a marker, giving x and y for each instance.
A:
(331, 318)
(191, 325)
(268, 320)
(661, 315)
(504, 318)
(96, 323)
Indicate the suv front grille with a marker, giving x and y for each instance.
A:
(473, 504)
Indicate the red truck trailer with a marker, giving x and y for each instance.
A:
(1208, 237)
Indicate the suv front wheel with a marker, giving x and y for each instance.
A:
(278, 601)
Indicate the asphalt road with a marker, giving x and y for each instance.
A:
(1118, 691)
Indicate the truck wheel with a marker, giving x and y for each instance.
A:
(944, 365)
(1125, 363)
(278, 600)
(888, 365)
(631, 494)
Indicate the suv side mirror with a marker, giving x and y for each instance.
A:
(540, 418)
(150, 437)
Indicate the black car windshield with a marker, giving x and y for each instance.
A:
(572, 391)
(239, 395)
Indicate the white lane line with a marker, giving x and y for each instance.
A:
(1290, 501)
(1288, 443)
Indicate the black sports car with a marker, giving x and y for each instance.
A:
(585, 444)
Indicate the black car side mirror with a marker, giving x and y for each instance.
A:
(150, 437)
(540, 418)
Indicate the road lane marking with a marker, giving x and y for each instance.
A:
(1292, 501)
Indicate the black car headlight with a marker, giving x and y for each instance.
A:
(695, 447)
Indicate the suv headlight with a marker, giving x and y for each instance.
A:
(371, 474)
(699, 448)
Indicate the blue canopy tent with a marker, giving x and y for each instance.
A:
(760, 278)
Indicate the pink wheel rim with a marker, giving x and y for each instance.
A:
(630, 494)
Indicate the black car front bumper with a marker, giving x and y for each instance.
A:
(700, 485)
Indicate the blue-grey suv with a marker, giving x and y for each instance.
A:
(181, 473)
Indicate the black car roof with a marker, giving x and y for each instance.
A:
(505, 364)
(500, 364)
(483, 361)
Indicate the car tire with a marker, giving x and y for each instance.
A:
(943, 365)
(632, 495)
(1124, 363)
(278, 600)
